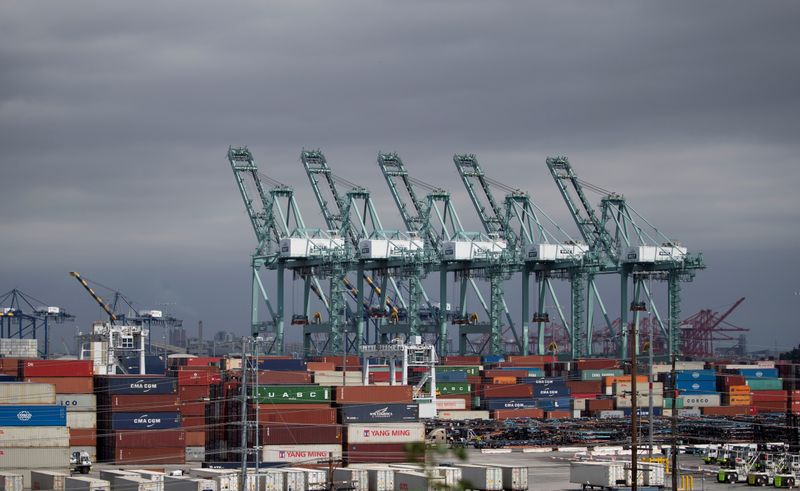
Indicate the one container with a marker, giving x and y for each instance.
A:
(149, 455)
(381, 477)
(380, 394)
(40, 457)
(153, 438)
(155, 402)
(416, 481)
(34, 436)
(287, 434)
(145, 421)
(293, 394)
(358, 453)
(77, 402)
(66, 385)
(265, 480)
(57, 368)
(300, 453)
(515, 477)
(358, 479)
(482, 477)
(226, 479)
(703, 400)
(463, 415)
(27, 393)
(184, 483)
(12, 481)
(294, 480)
(137, 384)
(601, 474)
(282, 414)
(48, 480)
(757, 384)
(81, 483)
(112, 475)
(315, 478)
(385, 433)
(155, 476)
(379, 413)
(81, 420)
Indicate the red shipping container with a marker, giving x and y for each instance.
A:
(194, 392)
(155, 403)
(195, 438)
(283, 377)
(382, 394)
(57, 368)
(193, 409)
(352, 360)
(467, 398)
(204, 361)
(507, 391)
(317, 366)
(585, 386)
(380, 452)
(600, 404)
(377, 377)
(724, 380)
(583, 396)
(541, 359)
(534, 413)
(558, 415)
(768, 396)
(67, 385)
(288, 434)
(150, 455)
(505, 373)
(314, 416)
(193, 423)
(597, 364)
(82, 437)
(194, 377)
(726, 411)
(461, 360)
(150, 438)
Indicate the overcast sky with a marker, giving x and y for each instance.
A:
(115, 120)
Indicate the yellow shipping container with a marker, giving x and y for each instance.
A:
(739, 389)
(739, 400)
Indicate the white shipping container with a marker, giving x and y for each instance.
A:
(388, 248)
(427, 408)
(642, 400)
(481, 477)
(11, 481)
(357, 478)
(82, 483)
(112, 475)
(300, 453)
(691, 412)
(294, 480)
(48, 480)
(611, 414)
(463, 415)
(605, 474)
(226, 479)
(625, 388)
(186, 483)
(265, 480)
(34, 436)
(27, 393)
(155, 476)
(82, 420)
(133, 482)
(195, 454)
(77, 402)
(381, 476)
(654, 474)
(416, 481)
(451, 475)
(556, 252)
(515, 477)
(19, 348)
(385, 433)
(37, 458)
(700, 400)
(315, 479)
(451, 404)
(579, 404)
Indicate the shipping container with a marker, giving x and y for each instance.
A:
(534, 413)
(599, 474)
(12, 481)
(585, 386)
(759, 372)
(149, 455)
(494, 391)
(378, 413)
(226, 479)
(48, 480)
(57, 368)
(34, 436)
(265, 480)
(313, 415)
(357, 479)
(151, 438)
(135, 483)
(443, 404)
(499, 404)
(27, 393)
(145, 421)
(128, 403)
(515, 477)
(597, 364)
(277, 364)
(316, 479)
(33, 415)
(481, 477)
(314, 366)
(112, 475)
(192, 393)
(726, 411)
(66, 385)
(380, 476)
(697, 387)
(77, 402)
(287, 434)
(185, 483)
(81, 483)
(86, 437)
(703, 400)
(399, 394)
(37, 457)
(284, 377)
(137, 384)
(293, 394)
(379, 453)
(759, 384)
(416, 481)
(463, 415)
(294, 480)
(81, 420)
(311, 453)
(385, 433)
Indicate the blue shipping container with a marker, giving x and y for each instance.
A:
(759, 372)
(138, 385)
(33, 415)
(492, 358)
(7, 378)
(453, 376)
(145, 421)
(379, 413)
(643, 411)
(282, 365)
(495, 404)
(697, 386)
(685, 375)
(554, 403)
(551, 390)
(548, 381)
(532, 371)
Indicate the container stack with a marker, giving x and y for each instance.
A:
(74, 387)
(19, 348)
(33, 430)
(194, 392)
(381, 423)
(139, 420)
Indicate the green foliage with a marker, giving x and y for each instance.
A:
(430, 454)
(793, 355)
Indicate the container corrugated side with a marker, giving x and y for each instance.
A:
(184, 483)
(356, 478)
(81, 483)
(416, 481)
(82, 420)
(463, 415)
(34, 436)
(33, 415)
(77, 402)
(27, 393)
(385, 433)
(48, 480)
(300, 453)
(482, 477)
(39, 458)
(11, 481)
(136, 483)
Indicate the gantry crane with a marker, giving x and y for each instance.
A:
(626, 244)
(29, 314)
(535, 249)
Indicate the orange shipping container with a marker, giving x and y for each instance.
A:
(67, 385)
(82, 437)
(558, 415)
(518, 413)
(381, 394)
(504, 380)
(739, 400)
(739, 389)
(610, 381)
(195, 438)
(314, 366)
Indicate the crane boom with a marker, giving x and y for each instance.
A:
(111, 315)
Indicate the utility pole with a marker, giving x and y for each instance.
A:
(634, 408)
(243, 477)
(674, 427)
(650, 374)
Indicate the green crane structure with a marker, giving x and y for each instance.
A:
(626, 244)
(535, 249)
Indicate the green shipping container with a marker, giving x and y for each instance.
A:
(450, 388)
(293, 394)
(764, 383)
(668, 403)
(599, 374)
(471, 371)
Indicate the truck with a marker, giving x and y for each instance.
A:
(80, 462)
